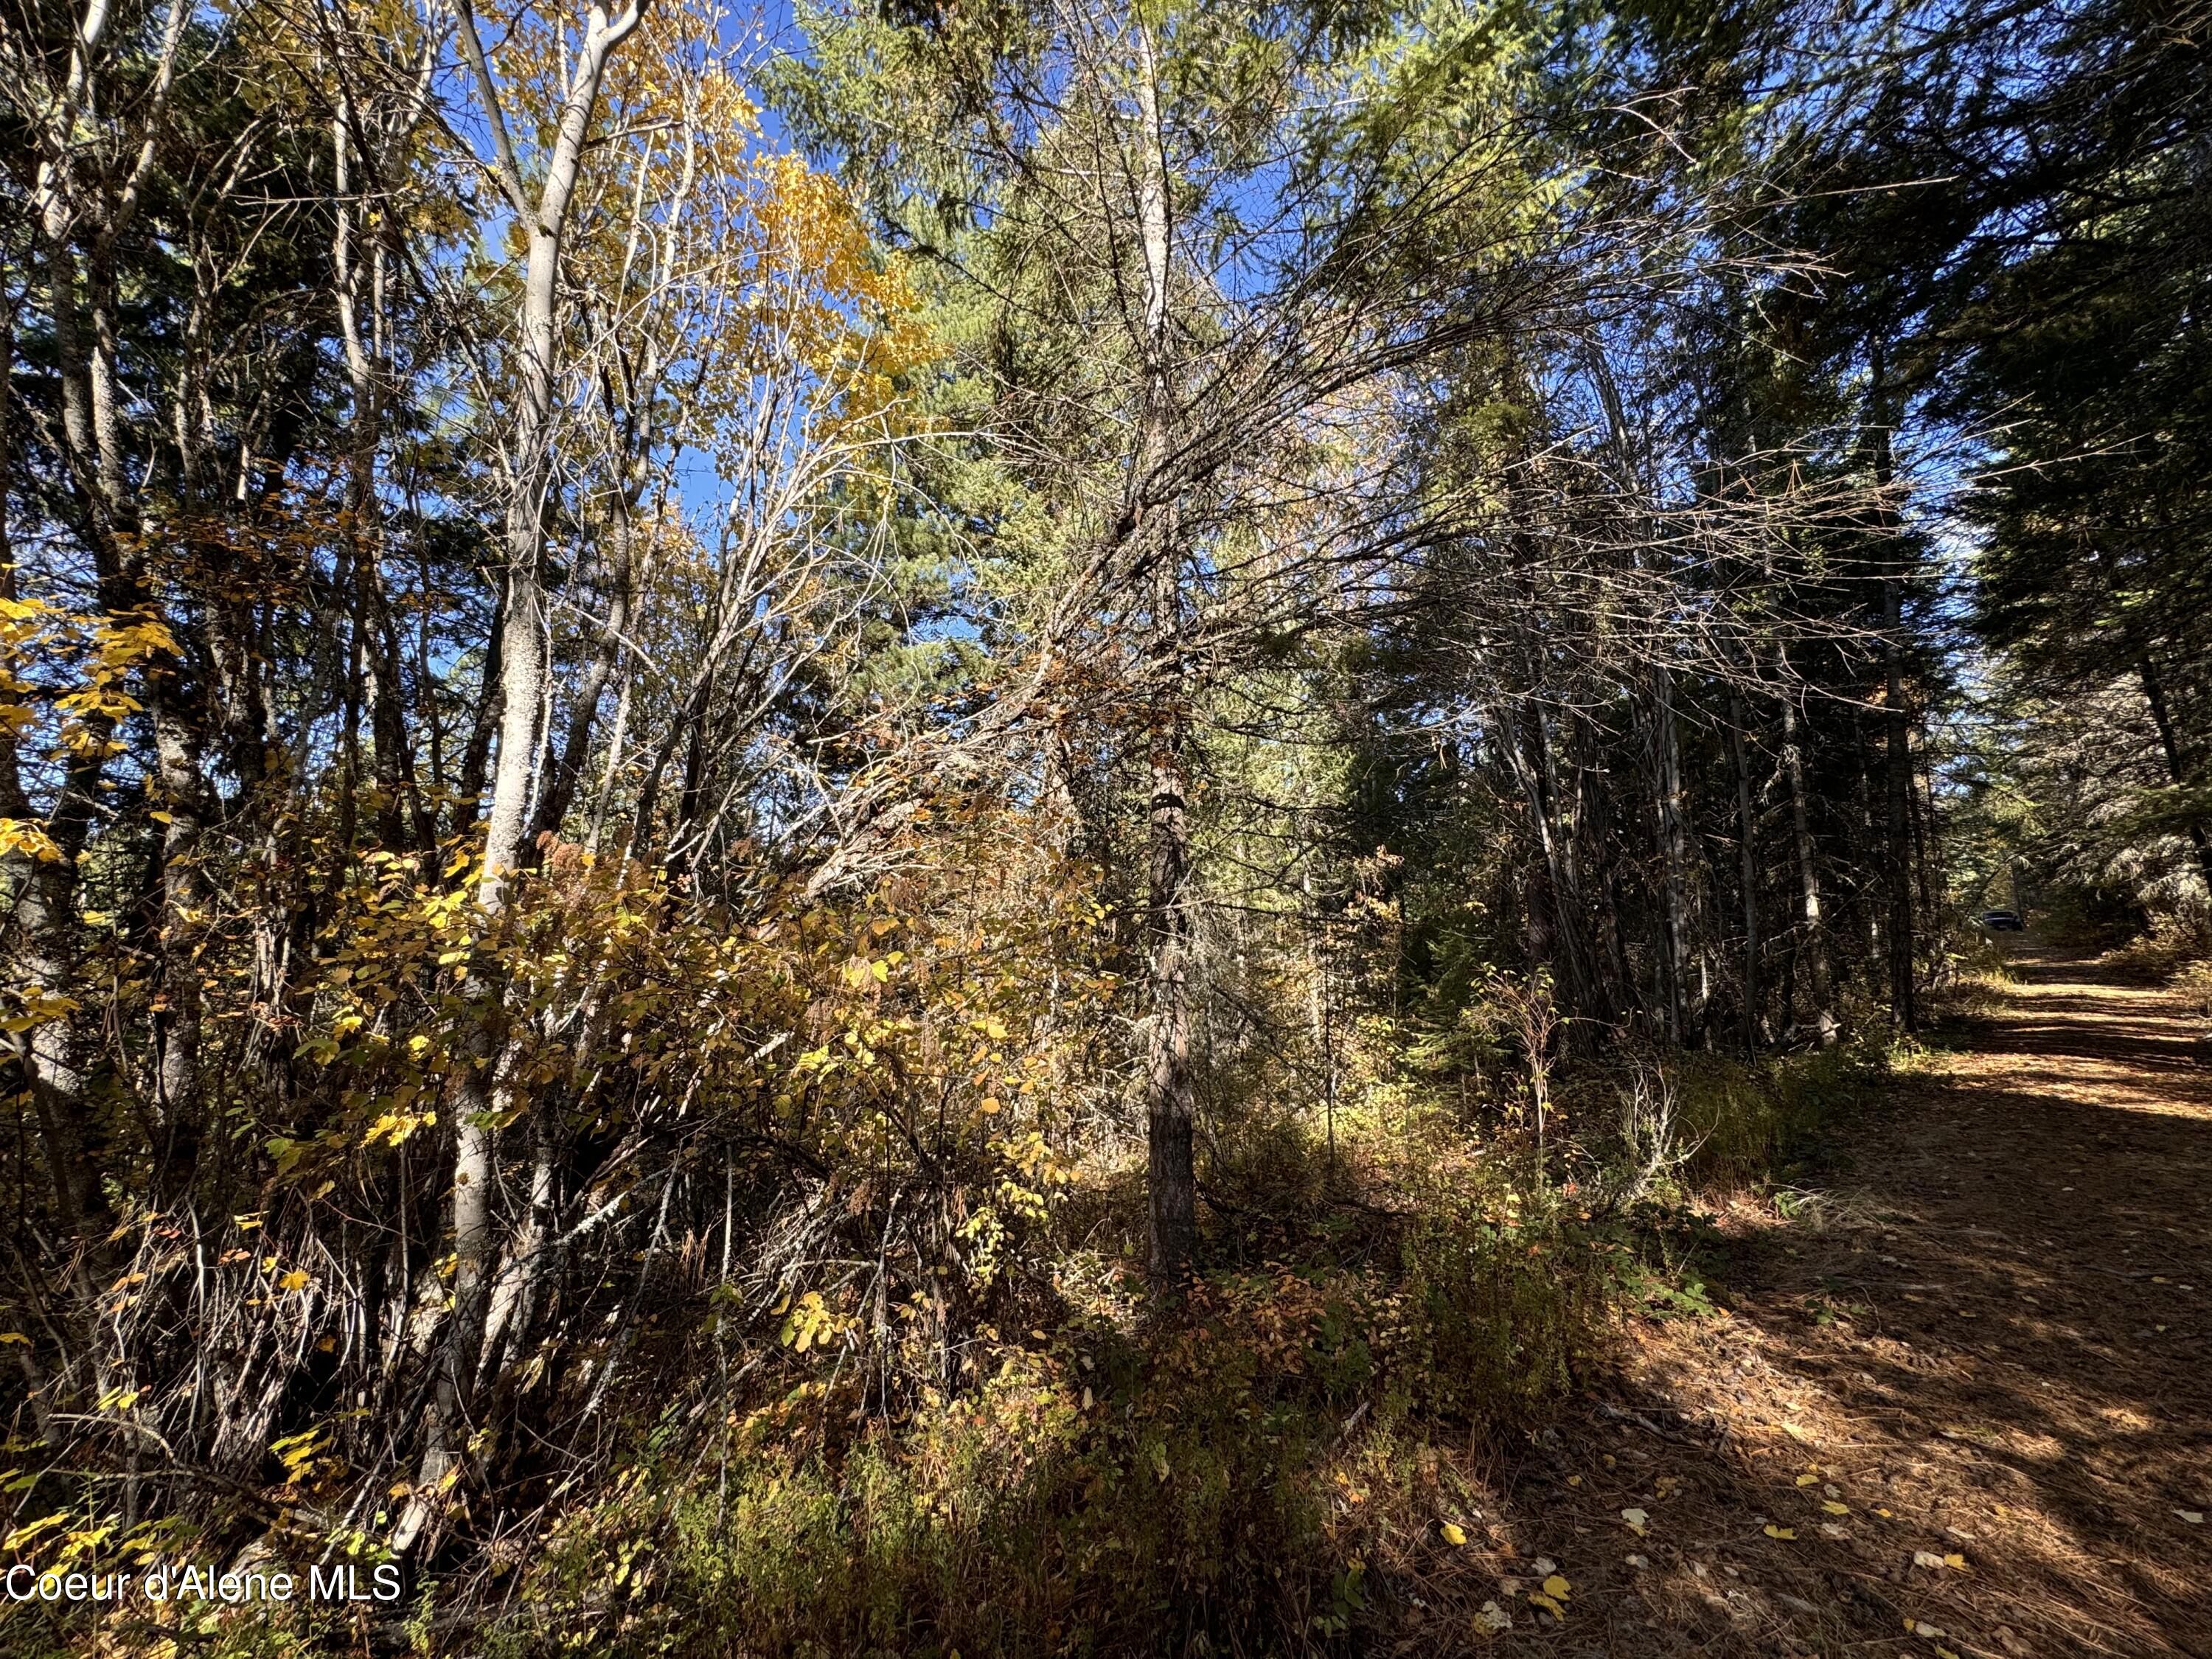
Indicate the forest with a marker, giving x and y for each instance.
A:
(971, 827)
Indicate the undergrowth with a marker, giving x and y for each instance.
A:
(1233, 1470)
(1224, 1475)
(2174, 949)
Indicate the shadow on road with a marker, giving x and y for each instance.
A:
(1968, 1388)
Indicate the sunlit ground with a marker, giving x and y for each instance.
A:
(1962, 1404)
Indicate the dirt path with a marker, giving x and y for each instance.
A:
(1965, 1388)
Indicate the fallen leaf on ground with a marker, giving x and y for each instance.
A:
(1636, 1518)
(2195, 1517)
(1557, 1587)
(1788, 1535)
(1927, 1559)
(1454, 1534)
(1834, 1508)
(1494, 1617)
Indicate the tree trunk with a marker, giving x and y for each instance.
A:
(1558, 938)
(476, 754)
(1169, 1091)
(1684, 1020)
(38, 954)
(1897, 782)
(613, 767)
(1748, 850)
(402, 820)
(560, 789)
(482, 1088)
(1899, 785)
(1812, 939)
(179, 743)
(76, 213)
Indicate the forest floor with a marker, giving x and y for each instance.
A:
(1960, 1397)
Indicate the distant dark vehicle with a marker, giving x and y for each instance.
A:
(2003, 921)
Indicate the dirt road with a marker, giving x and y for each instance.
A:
(1964, 1388)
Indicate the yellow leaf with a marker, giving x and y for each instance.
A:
(21, 835)
(1834, 1508)
(1954, 1560)
(1788, 1535)
(1547, 1602)
(1635, 1518)
(1556, 1587)
(294, 1280)
(1807, 1479)
(1455, 1534)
